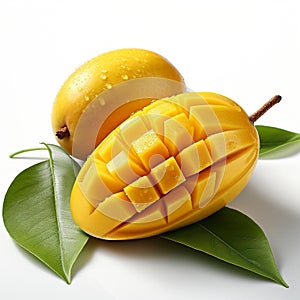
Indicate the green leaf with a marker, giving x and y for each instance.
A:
(277, 143)
(233, 237)
(37, 215)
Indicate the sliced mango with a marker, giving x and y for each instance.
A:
(176, 161)
(154, 217)
(227, 143)
(132, 129)
(150, 149)
(184, 102)
(157, 114)
(110, 179)
(167, 175)
(212, 119)
(178, 133)
(202, 188)
(142, 193)
(178, 203)
(118, 207)
(194, 158)
(113, 145)
(124, 168)
(94, 188)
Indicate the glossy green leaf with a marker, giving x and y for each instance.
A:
(37, 215)
(277, 143)
(233, 237)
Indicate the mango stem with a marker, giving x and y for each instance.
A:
(274, 100)
(62, 133)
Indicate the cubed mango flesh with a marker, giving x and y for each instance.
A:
(176, 161)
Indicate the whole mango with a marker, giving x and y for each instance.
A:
(173, 163)
(91, 102)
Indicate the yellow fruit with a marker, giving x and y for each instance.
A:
(104, 91)
(145, 178)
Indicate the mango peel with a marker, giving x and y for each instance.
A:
(172, 163)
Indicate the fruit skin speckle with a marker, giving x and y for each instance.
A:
(100, 74)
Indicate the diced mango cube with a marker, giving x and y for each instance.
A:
(132, 129)
(152, 105)
(178, 133)
(194, 158)
(110, 180)
(117, 207)
(215, 119)
(186, 101)
(124, 168)
(110, 147)
(167, 175)
(150, 149)
(205, 121)
(161, 107)
(202, 187)
(150, 220)
(157, 115)
(178, 203)
(142, 193)
(227, 143)
(93, 220)
(156, 212)
(109, 214)
(94, 189)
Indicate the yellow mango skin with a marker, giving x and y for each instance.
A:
(181, 188)
(99, 75)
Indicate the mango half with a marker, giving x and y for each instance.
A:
(173, 163)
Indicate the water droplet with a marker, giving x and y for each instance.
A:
(102, 101)
(123, 66)
(103, 76)
(108, 86)
(123, 59)
(124, 76)
(104, 71)
(87, 98)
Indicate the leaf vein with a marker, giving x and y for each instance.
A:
(229, 246)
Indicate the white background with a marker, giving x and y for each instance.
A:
(246, 50)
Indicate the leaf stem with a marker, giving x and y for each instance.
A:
(274, 100)
(25, 150)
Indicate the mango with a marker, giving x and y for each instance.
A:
(105, 91)
(173, 163)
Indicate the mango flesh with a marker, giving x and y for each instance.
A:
(173, 163)
(100, 75)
